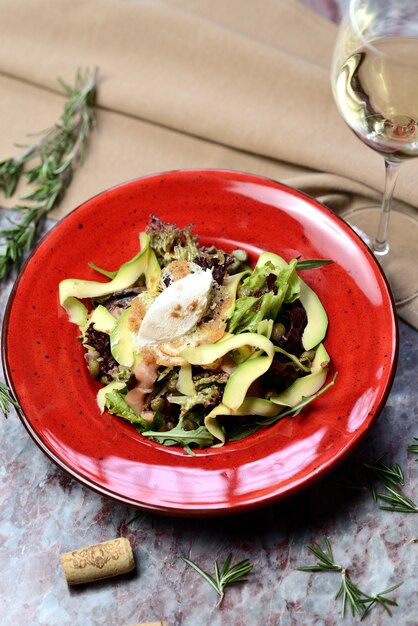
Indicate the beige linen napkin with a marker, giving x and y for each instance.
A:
(234, 84)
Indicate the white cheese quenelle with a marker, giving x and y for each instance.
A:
(177, 310)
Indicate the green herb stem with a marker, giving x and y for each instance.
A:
(391, 477)
(224, 576)
(6, 400)
(348, 592)
(413, 448)
(397, 501)
(48, 166)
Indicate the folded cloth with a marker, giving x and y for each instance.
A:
(190, 83)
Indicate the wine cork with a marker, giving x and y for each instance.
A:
(102, 560)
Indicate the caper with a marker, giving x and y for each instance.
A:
(278, 331)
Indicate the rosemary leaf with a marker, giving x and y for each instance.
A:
(325, 559)
(310, 264)
(348, 483)
(226, 575)
(358, 601)
(6, 400)
(48, 166)
(137, 518)
(10, 172)
(210, 579)
(382, 600)
(397, 501)
(390, 474)
(351, 594)
(414, 447)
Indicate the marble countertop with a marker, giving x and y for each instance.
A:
(44, 512)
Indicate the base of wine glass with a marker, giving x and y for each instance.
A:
(399, 257)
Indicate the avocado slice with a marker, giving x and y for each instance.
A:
(316, 328)
(212, 423)
(307, 385)
(250, 406)
(277, 260)
(317, 319)
(185, 384)
(102, 320)
(72, 288)
(231, 283)
(246, 373)
(152, 272)
(120, 340)
(77, 312)
(241, 379)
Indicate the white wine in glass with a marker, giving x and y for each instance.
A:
(375, 85)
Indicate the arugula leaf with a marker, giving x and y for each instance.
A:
(201, 437)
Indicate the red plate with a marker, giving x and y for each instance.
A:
(45, 367)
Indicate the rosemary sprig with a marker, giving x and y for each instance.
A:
(414, 448)
(226, 575)
(391, 476)
(382, 600)
(137, 518)
(350, 594)
(48, 165)
(325, 558)
(397, 501)
(6, 400)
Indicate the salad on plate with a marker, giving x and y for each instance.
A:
(196, 346)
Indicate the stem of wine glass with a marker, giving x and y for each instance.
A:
(380, 244)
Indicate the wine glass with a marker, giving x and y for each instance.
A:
(375, 85)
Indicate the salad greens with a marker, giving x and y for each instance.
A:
(194, 346)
